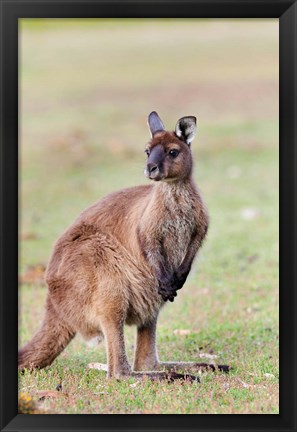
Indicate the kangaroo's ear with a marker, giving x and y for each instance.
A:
(186, 128)
(155, 123)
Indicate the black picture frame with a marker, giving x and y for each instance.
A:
(11, 11)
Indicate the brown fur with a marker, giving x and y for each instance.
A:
(119, 261)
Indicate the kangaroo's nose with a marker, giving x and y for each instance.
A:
(152, 167)
(152, 170)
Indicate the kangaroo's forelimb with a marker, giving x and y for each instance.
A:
(176, 281)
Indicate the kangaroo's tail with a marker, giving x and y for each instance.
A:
(49, 341)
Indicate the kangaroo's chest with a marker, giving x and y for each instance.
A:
(176, 231)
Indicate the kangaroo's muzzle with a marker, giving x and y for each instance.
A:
(153, 168)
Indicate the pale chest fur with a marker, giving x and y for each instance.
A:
(176, 227)
(168, 224)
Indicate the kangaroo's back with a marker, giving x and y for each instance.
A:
(110, 215)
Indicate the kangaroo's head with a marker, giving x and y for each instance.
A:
(169, 155)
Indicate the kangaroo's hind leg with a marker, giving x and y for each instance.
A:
(146, 355)
(113, 328)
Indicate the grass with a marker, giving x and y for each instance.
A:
(85, 93)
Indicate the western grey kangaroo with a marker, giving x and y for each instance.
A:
(123, 258)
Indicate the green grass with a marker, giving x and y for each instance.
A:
(86, 89)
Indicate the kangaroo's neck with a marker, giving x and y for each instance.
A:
(174, 193)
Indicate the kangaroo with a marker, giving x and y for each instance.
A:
(123, 258)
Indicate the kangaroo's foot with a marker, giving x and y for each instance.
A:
(169, 376)
(174, 366)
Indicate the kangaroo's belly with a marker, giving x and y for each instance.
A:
(144, 300)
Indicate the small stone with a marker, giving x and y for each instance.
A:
(182, 332)
(209, 356)
(134, 384)
(269, 375)
(98, 366)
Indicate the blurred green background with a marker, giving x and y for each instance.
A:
(86, 89)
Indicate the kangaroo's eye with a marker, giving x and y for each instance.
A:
(173, 153)
(147, 152)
